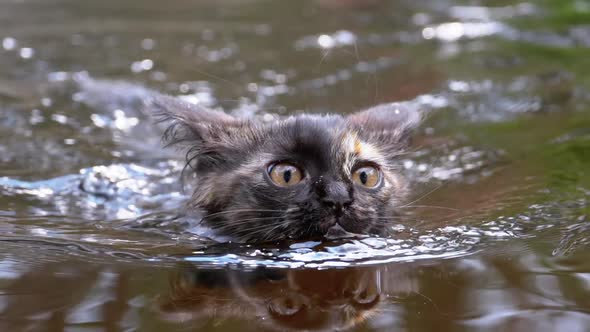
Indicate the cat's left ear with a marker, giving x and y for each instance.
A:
(387, 125)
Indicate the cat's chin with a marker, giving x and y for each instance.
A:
(337, 232)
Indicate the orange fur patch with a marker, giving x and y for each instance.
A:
(358, 146)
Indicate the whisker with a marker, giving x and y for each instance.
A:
(242, 222)
(431, 206)
(255, 230)
(238, 210)
(423, 196)
(285, 224)
(220, 79)
(398, 219)
(431, 302)
(263, 228)
(237, 101)
(324, 56)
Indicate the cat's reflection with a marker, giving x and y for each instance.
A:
(283, 300)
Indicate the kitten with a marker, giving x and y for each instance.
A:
(301, 177)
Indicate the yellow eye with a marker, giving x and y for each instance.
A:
(367, 176)
(285, 175)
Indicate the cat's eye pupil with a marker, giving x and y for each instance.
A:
(287, 176)
(363, 177)
(368, 176)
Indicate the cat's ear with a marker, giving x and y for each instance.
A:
(207, 135)
(168, 108)
(388, 125)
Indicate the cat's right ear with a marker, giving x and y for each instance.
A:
(188, 124)
(210, 138)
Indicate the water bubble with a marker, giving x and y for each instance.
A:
(450, 31)
(453, 31)
(36, 117)
(58, 76)
(459, 86)
(184, 88)
(143, 65)
(428, 33)
(252, 87)
(122, 122)
(326, 41)
(148, 44)
(26, 52)
(344, 37)
(46, 102)
(9, 43)
(59, 118)
(281, 78)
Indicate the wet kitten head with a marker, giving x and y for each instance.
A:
(301, 177)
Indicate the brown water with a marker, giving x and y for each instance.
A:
(92, 232)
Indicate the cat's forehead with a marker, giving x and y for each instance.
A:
(329, 141)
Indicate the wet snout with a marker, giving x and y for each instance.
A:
(336, 197)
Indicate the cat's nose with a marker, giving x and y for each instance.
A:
(338, 206)
(337, 197)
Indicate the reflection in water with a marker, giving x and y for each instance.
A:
(476, 294)
(281, 299)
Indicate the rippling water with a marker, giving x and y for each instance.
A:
(92, 227)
